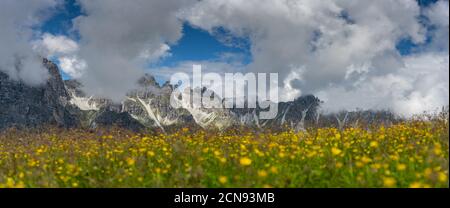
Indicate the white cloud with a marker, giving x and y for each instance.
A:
(219, 67)
(65, 50)
(207, 66)
(119, 37)
(288, 92)
(17, 59)
(438, 15)
(344, 50)
(51, 45)
(421, 85)
(153, 55)
(73, 66)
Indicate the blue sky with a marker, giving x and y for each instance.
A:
(206, 48)
(61, 22)
(195, 45)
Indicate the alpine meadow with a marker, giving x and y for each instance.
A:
(264, 94)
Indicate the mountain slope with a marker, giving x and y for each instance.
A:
(25, 106)
(63, 103)
(149, 104)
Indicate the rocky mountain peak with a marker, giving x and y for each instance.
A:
(147, 80)
(24, 106)
(149, 106)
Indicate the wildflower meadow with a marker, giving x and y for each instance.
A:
(409, 154)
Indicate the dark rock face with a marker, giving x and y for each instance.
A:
(25, 106)
(295, 114)
(111, 118)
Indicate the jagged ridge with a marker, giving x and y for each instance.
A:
(65, 104)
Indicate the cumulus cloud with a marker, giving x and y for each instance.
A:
(73, 66)
(438, 16)
(51, 45)
(154, 55)
(63, 49)
(344, 51)
(118, 38)
(421, 85)
(17, 59)
(338, 49)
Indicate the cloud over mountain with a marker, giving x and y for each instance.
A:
(17, 18)
(65, 50)
(118, 39)
(346, 52)
(340, 49)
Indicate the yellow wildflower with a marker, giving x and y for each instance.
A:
(335, 151)
(389, 182)
(442, 177)
(415, 185)
(223, 179)
(374, 144)
(401, 167)
(245, 161)
(262, 173)
(130, 161)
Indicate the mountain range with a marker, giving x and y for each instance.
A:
(63, 103)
